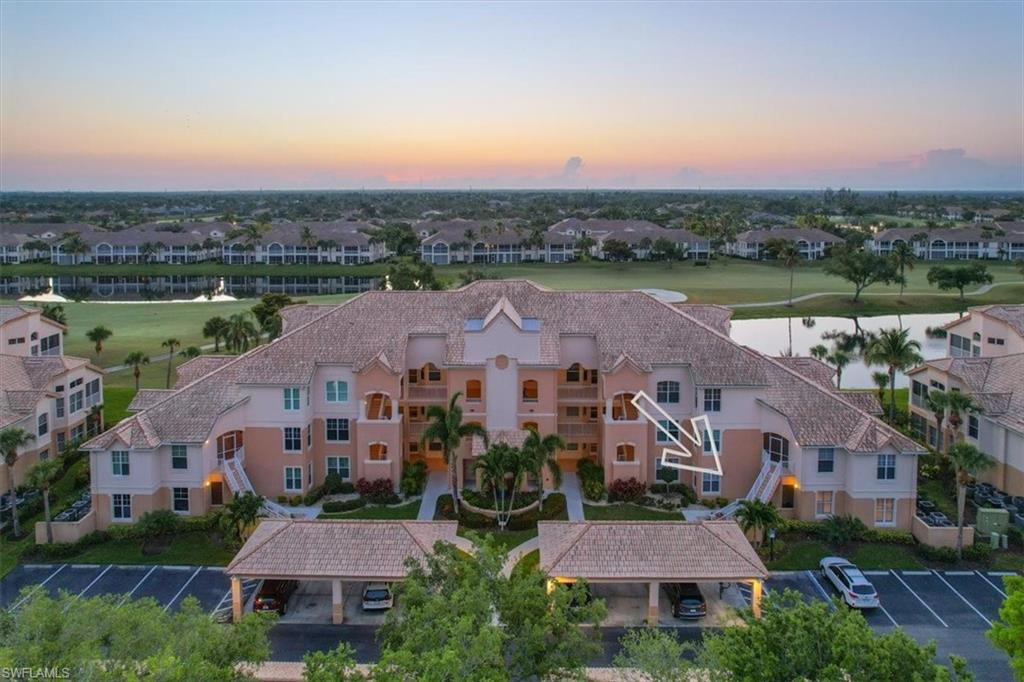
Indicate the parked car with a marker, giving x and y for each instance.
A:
(687, 601)
(854, 587)
(377, 597)
(273, 595)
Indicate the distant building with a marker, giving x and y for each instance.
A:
(998, 241)
(812, 242)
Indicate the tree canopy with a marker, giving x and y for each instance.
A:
(860, 268)
(949, 277)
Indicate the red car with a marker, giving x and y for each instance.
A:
(273, 595)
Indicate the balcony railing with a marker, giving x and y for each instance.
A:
(428, 393)
(578, 429)
(577, 392)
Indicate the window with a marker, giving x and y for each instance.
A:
(668, 425)
(918, 393)
(530, 391)
(959, 346)
(179, 457)
(826, 460)
(291, 399)
(937, 385)
(58, 405)
(78, 432)
(777, 448)
(337, 391)
(75, 402)
(48, 343)
(823, 503)
(62, 442)
(431, 373)
(666, 473)
(92, 393)
(710, 484)
(76, 383)
(972, 426)
(179, 499)
(474, 390)
(293, 478)
(712, 400)
(668, 391)
(885, 511)
(573, 374)
(715, 436)
(379, 451)
(121, 506)
(119, 458)
(309, 436)
(625, 452)
(43, 424)
(292, 439)
(995, 341)
(337, 430)
(623, 408)
(340, 466)
(886, 467)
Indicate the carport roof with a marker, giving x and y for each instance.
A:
(345, 549)
(648, 550)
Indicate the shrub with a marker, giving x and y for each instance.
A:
(347, 488)
(414, 479)
(943, 554)
(295, 500)
(313, 496)
(668, 475)
(889, 537)
(333, 483)
(335, 506)
(589, 470)
(658, 488)
(688, 494)
(842, 530)
(485, 500)
(626, 490)
(282, 499)
(158, 523)
(1015, 536)
(978, 552)
(593, 490)
(378, 491)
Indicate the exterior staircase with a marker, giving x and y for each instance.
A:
(240, 484)
(763, 489)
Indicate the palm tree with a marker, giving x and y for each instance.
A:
(308, 239)
(881, 381)
(903, 258)
(958, 405)
(896, 350)
(136, 359)
(838, 359)
(72, 243)
(147, 250)
(503, 468)
(214, 328)
(98, 335)
(967, 461)
(172, 344)
(240, 332)
(40, 476)
(787, 253)
(819, 352)
(11, 440)
(539, 453)
(55, 312)
(241, 513)
(446, 428)
(757, 515)
(938, 403)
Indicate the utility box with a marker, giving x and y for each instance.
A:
(992, 521)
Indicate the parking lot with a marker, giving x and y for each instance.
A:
(954, 608)
(168, 585)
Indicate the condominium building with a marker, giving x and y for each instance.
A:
(995, 241)
(346, 388)
(491, 241)
(812, 242)
(47, 394)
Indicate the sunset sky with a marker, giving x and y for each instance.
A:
(332, 96)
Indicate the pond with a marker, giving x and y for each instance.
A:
(775, 336)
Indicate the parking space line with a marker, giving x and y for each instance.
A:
(959, 572)
(175, 597)
(875, 572)
(1001, 574)
(916, 595)
(962, 597)
(994, 586)
(33, 591)
(94, 581)
(821, 590)
(137, 585)
(917, 572)
(227, 595)
(888, 615)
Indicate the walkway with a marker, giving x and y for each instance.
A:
(806, 297)
(516, 554)
(573, 496)
(437, 485)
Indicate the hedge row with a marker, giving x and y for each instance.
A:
(151, 524)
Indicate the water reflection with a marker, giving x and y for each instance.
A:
(781, 336)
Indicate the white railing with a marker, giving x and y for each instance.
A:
(585, 429)
(239, 483)
(763, 489)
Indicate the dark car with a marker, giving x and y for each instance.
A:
(273, 595)
(687, 601)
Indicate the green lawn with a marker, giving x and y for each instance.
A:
(799, 556)
(529, 562)
(404, 511)
(937, 492)
(199, 548)
(628, 512)
(883, 557)
(505, 539)
(805, 555)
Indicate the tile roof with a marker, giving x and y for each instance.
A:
(653, 333)
(14, 312)
(812, 368)
(350, 550)
(494, 232)
(513, 437)
(35, 372)
(629, 231)
(648, 550)
(1012, 315)
(810, 234)
(341, 232)
(987, 232)
(997, 383)
(147, 397)
(718, 317)
(16, 405)
(199, 366)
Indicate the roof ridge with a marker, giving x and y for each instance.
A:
(285, 523)
(711, 528)
(586, 526)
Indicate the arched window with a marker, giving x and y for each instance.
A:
(530, 391)
(574, 373)
(378, 406)
(378, 452)
(777, 448)
(531, 425)
(625, 452)
(474, 390)
(668, 391)
(976, 336)
(623, 407)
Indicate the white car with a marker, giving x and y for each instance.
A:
(377, 597)
(856, 590)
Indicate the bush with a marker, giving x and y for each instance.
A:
(158, 523)
(485, 500)
(842, 530)
(347, 488)
(626, 490)
(335, 506)
(978, 552)
(282, 499)
(668, 475)
(414, 479)
(943, 554)
(889, 537)
(295, 500)
(589, 470)
(688, 494)
(593, 490)
(333, 483)
(313, 496)
(658, 488)
(379, 491)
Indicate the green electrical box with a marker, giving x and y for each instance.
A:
(992, 521)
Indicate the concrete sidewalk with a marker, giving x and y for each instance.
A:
(573, 495)
(437, 485)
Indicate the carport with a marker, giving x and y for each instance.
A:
(335, 551)
(651, 552)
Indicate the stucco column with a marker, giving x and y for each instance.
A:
(236, 599)
(653, 593)
(337, 603)
(755, 597)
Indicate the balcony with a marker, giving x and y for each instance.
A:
(579, 429)
(577, 392)
(437, 393)
(415, 429)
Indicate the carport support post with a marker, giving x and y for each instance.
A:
(653, 592)
(236, 599)
(755, 597)
(337, 603)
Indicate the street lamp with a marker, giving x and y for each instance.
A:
(771, 544)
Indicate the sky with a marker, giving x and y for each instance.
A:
(319, 95)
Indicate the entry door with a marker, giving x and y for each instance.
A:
(216, 492)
